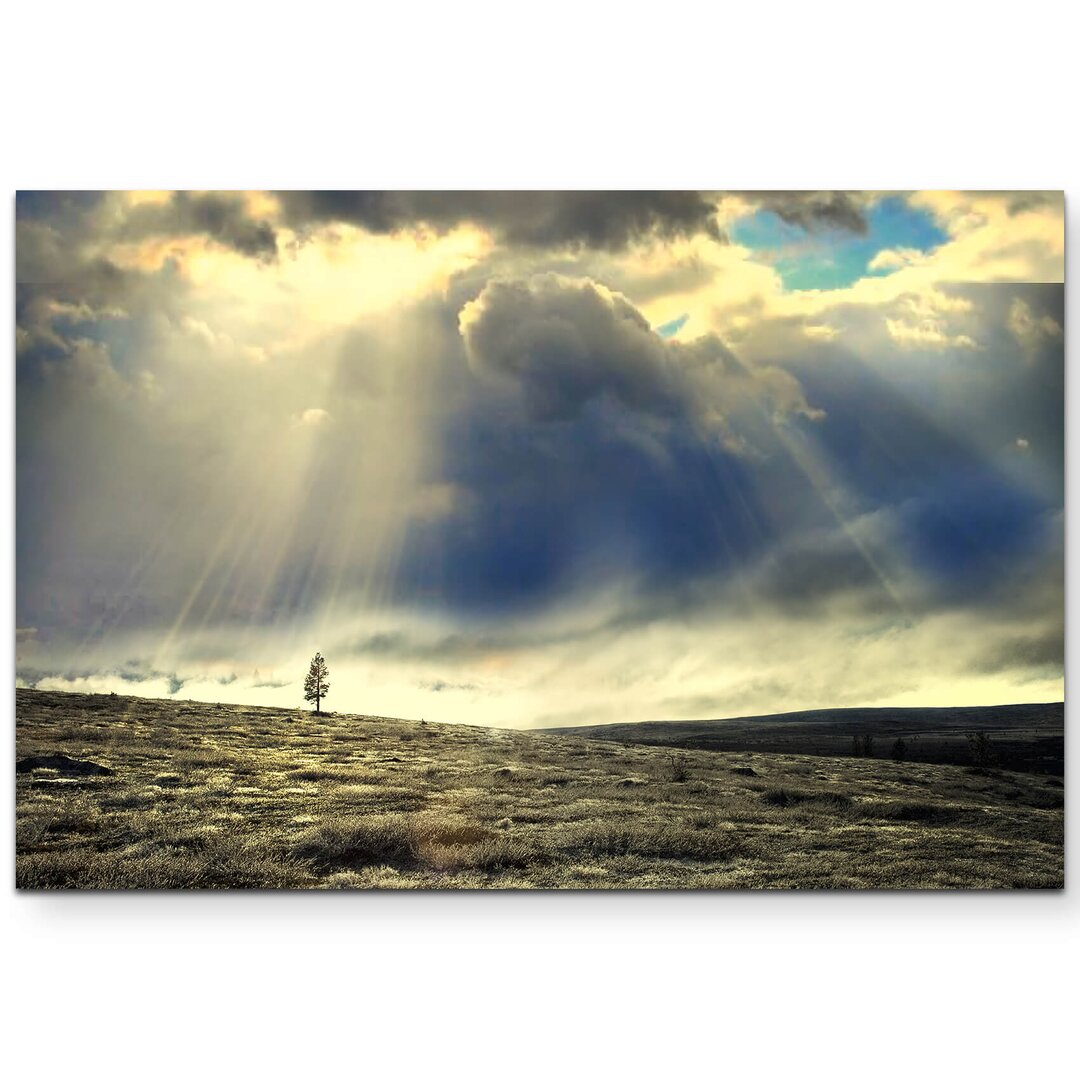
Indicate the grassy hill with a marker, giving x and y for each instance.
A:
(202, 796)
(1025, 738)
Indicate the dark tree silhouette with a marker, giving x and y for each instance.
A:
(317, 684)
(899, 750)
(982, 750)
(863, 746)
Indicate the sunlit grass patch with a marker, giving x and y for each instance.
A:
(647, 840)
(130, 800)
(335, 774)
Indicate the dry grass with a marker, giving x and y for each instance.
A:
(216, 796)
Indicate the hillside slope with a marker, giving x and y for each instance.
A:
(1028, 738)
(212, 796)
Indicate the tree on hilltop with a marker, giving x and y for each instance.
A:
(317, 683)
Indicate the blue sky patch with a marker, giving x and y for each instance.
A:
(670, 329)
(834, 258)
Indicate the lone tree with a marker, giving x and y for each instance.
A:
(317, 684)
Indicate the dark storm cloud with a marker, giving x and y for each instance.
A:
(53, 227)
(553, 511)
(60, 209)
(813, 210)
(1020, 202)
(1045, 649)
(600, 219)
(222, 217)
(51, 232)
(586, 446)
(568, 342)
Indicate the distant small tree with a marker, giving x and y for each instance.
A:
(899, 750)
(982, 749)
(317, 683)
(862, 746)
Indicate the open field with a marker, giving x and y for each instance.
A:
(212, 796)
(1022, 738)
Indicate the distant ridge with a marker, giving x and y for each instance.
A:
(1028, 737)
(956, 715)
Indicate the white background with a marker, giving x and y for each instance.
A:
(128, 95)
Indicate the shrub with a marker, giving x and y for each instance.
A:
(680, 768)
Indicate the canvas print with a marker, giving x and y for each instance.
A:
(539, 540)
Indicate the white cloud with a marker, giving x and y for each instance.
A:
(925, 320)
(895, 258)
(927, 334)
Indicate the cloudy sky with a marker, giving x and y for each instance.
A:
(542, 458)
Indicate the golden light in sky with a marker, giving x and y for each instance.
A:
(543, 458)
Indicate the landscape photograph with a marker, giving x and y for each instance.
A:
(554, 539)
